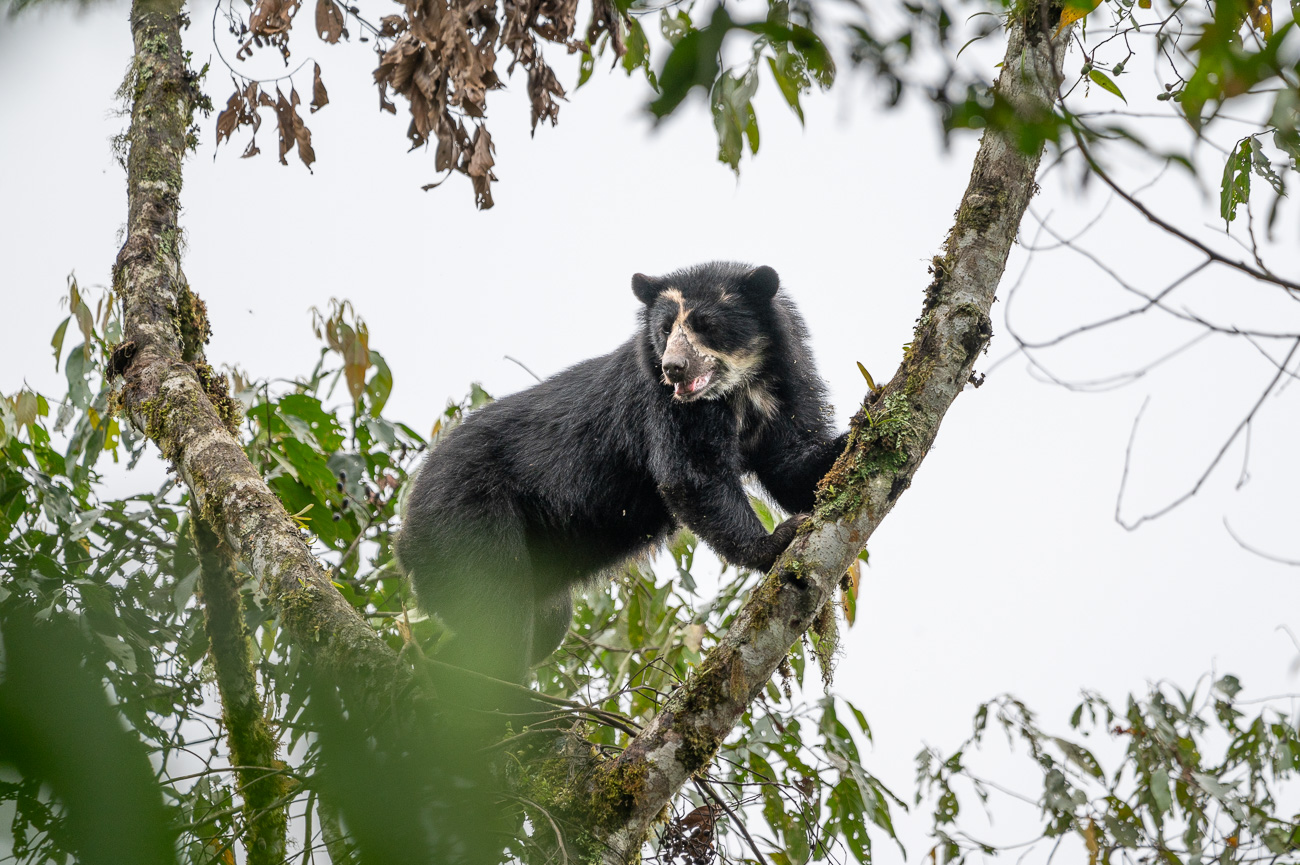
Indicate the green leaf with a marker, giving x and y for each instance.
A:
(674, 27)
(1160, 790)
(57, 342)
(478, 397)
(1285, 120)
(692, 63)
(1079, 756)
(1235, 188)
(636, 633)
(860, 718)
(1102, 80)
(1260, 164)
(1229, 686)
(789, 88)
(638, 49)
(733, 115)
(751, 132)
(380, 385)
(77, 373)
(585, 68)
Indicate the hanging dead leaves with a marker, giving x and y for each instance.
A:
(242, 110)
(441, 55)
(269, 25)
(330, 25)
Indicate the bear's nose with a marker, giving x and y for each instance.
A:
(674, 367)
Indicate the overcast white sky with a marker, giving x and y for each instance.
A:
(1002, 568)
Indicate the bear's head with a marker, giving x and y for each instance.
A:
(708, 326)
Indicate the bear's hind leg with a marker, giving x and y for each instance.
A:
(480, 584)
(551, 620)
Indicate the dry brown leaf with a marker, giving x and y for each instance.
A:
(443, 61)
(283, 122)
(448, 154)
(227, 120)
(319, 96)
(271, 17)
(605, 19)
(301, 134)
(329, 21)
(480, 160)
(391, 25)
(543, 89)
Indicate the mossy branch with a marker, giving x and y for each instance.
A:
(167, 389)
(252, 747)
(891, 435)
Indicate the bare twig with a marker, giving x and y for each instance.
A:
(1245, 422)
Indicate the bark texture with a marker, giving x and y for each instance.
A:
(252, 747)
(890, 437)
(169, 390)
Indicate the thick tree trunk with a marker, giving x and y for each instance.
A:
(169, 390)
(891, 435)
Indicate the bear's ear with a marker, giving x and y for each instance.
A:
(646, 288)
(761, 283)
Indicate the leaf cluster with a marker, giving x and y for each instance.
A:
(1198, 779)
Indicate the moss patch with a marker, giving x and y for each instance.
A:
(879, 444)
(217, 388)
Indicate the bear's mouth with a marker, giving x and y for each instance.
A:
(692, 388)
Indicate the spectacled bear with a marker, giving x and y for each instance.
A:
(545, 489)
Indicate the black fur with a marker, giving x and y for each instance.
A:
(544, 489)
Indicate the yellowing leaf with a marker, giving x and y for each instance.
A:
(25, 407)
(57, 342)
(1261, 16)
(870, 383)
(301, 517)
(849, 591)
(1075, 10)
(1090, 839)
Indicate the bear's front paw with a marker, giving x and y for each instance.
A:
(774, 544)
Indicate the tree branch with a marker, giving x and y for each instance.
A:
(252, 747)
(170, 392)
(890, 436)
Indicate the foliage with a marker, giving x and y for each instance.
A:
(789, 783)
(1198, 780)
(1205, 57)
(122, 573)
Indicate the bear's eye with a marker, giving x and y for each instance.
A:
(702, 324)
(667, 327)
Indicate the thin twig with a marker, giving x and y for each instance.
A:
(521, 366)
(1263, 555)
(1261, 275)
(1245, 422)
(713, 794)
